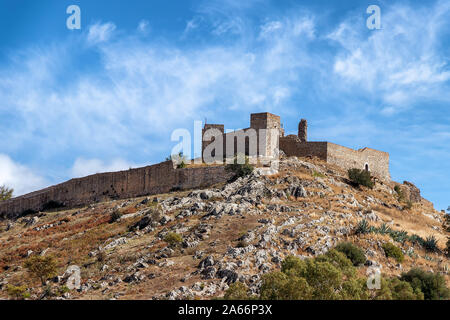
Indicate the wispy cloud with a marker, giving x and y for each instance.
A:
(101, 32)
(402, 64)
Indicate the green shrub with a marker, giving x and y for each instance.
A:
(280, 286)
(396, 289)
(432, 285)
(360, 177)
(114, 216)
(236, 291)
(239, 169)
(173, 238)
(328, 276)
(352, 252)
(41, 267)
(430, 244)
(17, 292)
(400, 194)
(391, 251)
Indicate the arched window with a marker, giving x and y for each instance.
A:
(366, 167)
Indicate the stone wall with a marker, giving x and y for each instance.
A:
(377, 161)
(155, 179)
(293, 146)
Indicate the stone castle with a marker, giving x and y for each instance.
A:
(264, 138)
(269, 137)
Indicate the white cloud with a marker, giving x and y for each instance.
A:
(19, 177)
(99, 32)
(402, 64)
(84, 167)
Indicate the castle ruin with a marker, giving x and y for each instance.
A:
(267, 136)
(262, 140)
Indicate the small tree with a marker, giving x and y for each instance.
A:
(360, 177)
(41, 268)
(239, 169)
(6, 193)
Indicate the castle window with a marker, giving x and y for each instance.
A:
(366, 167)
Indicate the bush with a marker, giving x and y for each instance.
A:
(360, 177)
(173, 238)
(396, 289)
(432, 285)
(17, 293)
(391, 251)
(400, 194)
(41, 268)
(236, 291)
(239, 170)
(329, 276)
(6, 193)
(115, 216)
(430, 244)
(280, 286)
(352, 252)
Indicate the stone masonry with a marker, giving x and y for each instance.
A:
(377, 162)
(155, 179)
(263, 139)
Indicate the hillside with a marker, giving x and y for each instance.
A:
(234, 231)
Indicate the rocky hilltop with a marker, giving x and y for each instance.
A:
(195, 244)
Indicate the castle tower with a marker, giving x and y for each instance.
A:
(219, 127)
(303, 130)
(268, 127)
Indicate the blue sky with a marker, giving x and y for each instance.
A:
(108, 96)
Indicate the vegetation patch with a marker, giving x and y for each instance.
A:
(352, 252)
(391, 251)
(360, 177)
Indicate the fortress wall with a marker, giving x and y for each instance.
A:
(292, 146)
(155, 179)
(347, 158)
